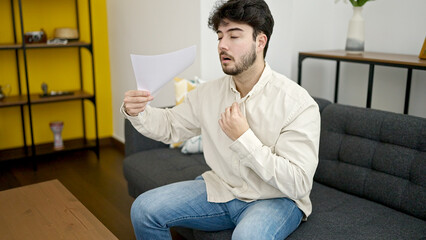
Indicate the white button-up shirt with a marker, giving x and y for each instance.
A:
(278, 155)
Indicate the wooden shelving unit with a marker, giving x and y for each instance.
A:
(45, 45)
(18, 100)
(26, 100)
(46, 148)
(12, 101)
(10, 46)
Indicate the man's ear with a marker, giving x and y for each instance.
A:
(262, 39)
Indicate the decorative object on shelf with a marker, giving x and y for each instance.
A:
(355, 39)
(56, 128)
(59, 93)
(35, 37)
(46, 93)
(422, 54)
(3, 90)
(44, 89)
(66, 33)
(57, 41)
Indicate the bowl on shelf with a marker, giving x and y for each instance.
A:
(66, 33)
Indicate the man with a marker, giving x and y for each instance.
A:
(260, 135)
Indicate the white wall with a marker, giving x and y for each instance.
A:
(391, 27)
(279, 47)
(152, 27)
(311, 25)
(148, 27)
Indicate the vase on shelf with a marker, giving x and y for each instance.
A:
(355, 38)
(56, 128)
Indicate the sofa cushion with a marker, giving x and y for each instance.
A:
(376, 155)
(220, 235)
(338, 215)
(157, 167)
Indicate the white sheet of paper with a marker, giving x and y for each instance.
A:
(154, 71)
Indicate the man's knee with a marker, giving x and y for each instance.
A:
(268, 219)
(242, 232)
(144, 208)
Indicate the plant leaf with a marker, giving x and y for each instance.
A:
(362, 2)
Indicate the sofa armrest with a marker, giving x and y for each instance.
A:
(136, 142)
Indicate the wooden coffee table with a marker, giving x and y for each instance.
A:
(47, 211)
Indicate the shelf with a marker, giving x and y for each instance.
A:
(69, 145)
(10, 46)
(13, 101)
(77, 95)
(69, 44)
(408, 62)
(391, 59)
(37, 99)
(44, 45)
(46, 149)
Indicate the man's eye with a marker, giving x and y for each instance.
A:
(234, 37)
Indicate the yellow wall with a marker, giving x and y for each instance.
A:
(59, 68)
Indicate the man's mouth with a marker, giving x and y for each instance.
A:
(225, 58)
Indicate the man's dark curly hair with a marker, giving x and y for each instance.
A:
(255, 13)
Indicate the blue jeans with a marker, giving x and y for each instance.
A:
(185, 204)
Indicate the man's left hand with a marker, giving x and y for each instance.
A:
(233, 122)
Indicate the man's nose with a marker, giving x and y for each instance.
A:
(223, 45)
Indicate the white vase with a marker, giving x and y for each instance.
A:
(355, 37)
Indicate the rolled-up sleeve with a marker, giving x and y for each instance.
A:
(168, 125)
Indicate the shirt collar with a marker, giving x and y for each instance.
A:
(263, 80)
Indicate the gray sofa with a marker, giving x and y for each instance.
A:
(370, 182)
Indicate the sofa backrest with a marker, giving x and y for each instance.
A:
(377, 155)
(136, 142)
(322, 103)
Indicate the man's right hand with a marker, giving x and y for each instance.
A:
(135, 101)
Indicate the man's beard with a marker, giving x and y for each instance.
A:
(246, 61)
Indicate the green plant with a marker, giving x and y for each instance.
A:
(358, 3)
